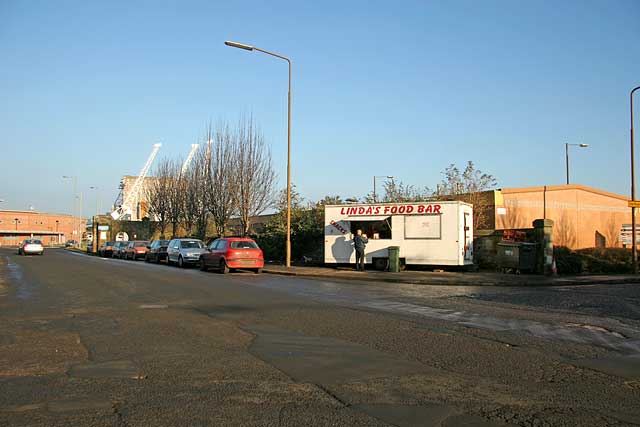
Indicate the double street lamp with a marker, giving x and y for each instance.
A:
(252, 48)
(566, 149)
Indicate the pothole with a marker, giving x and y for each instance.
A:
(324, 360)
(153, 306)
(111, 369)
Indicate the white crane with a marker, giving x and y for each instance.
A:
(187, 161)
(133, 195)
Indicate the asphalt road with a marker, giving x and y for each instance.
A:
(86, 341)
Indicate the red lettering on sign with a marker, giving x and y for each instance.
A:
(409, 209)
(377, 210)
(369, 210)
(436, 209)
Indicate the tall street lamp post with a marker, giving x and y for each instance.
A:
(252, 48)
(93, 187)
(634, 252)
(375, 199)
(566, 150)
(74, 180)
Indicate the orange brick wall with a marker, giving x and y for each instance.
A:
(578, 213)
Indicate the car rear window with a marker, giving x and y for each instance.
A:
(187, 244)
(139, 244)
(37, 242)
(244, 244)
(163, 242)
(110, 243)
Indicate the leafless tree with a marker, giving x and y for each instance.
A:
(470, 186)
(221, 183)
(175, 195)
(158, 195)
(254, 177)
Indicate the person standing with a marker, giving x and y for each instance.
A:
(359, 243)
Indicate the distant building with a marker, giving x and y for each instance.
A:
(140, 204)
(52, 229)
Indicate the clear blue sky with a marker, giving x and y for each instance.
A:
(380, 88)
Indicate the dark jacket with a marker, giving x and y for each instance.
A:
(359, 242)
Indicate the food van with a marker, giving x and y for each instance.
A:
(431, 233)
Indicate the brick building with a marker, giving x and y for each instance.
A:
(52, 229)
(584, 217)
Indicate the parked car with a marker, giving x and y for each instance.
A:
(106, 249)
(157, 251)
(30, 247)
(136, 249)
(118, 249)
(185, 251)
(230, 253)
(70, 243)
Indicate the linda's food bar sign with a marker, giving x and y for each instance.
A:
(391, 210)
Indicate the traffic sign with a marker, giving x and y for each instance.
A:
(634, 203)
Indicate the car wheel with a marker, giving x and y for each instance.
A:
(180, 262)
(203, 265)
(224, 268)
(257, 270)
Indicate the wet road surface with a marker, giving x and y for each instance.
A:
(90, 341)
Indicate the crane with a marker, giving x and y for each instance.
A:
(187, 161)
(133, 195)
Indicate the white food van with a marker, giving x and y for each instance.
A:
(429, 233)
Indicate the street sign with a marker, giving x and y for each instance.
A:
(634, 203)
(625, 234)
(103, 228)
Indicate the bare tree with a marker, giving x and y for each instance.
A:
(158, 195)
(469, 186)
(221, 183)
(254, 177)
(175, 195)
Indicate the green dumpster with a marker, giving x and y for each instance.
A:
(394, 259)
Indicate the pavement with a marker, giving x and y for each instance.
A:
(86, 341)
(483, 278)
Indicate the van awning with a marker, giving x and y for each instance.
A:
(368, 218)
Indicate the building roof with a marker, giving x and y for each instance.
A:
(563, 187)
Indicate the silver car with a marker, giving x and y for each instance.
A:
(30, 247)
(185, 251)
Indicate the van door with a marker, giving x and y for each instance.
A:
(468, 242)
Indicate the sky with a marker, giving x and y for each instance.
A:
(379, 88)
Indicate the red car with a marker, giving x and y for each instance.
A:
(230, 253)
(136, 249)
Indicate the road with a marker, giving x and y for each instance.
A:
(86, 341)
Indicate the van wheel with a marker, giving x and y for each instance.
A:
(224, 268)
(203, 265)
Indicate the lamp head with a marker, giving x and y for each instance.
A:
(584, 145)
(239, 45)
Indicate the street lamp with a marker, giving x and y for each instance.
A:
(634, 252)
(566, 150)
(16, 221)
(252, 48)
(93, 187)
(375, 200)
(74, 180)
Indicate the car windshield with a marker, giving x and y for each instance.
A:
(163, 242)
(109, 243)
(188, 244)
(139, 244)
(244, 244)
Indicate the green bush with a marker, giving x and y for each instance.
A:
(593, 260)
